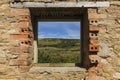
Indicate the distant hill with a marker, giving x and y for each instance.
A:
(53, 50)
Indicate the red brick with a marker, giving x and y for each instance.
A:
(93, 35)
(94, 42)
(93, 21)
(19, 36)
(23, 18)
(20, 12)
(94, 48)
(94, 28)
(26, 42)
(20, 24)
(102, 30)
(23, 69)
(92, 71)
(25, 30)
(94, 58)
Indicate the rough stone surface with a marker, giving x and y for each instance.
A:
(16, 53)
(116, 75)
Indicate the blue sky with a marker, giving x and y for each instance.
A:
(66, 30)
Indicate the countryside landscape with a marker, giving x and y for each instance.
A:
(55, 50)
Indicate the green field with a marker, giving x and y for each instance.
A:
(58, 50)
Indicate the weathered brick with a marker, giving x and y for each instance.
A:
(19, 36)
(102, 29)
(20, 30)
(93, 21)
(21, 49)
(25, 30)
(93, 35)
(93, 28)
(23, 18)
(26, 49)
(20, 24)
(94, 42)
(15, 50)
(94, 58)
(93, 48)
(26, 42)
(19, 12)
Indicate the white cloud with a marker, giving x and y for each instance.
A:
(70, 30)
(75, 34)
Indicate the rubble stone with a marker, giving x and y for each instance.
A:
(16, 44)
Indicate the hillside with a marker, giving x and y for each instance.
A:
(59, 50)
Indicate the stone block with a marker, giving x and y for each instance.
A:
(96, 16)
(11, 56)
(107, 22)
(117, 48)
(19, 12)
(102, 29)
(25, 62)
(104, 50)
(116, 75)
(93, 48)
(2, 55)
(17, 62)
(20, 24)
(15, 56)
(2, 60)
(24, 56)
(24, 69)
(14, 62)
(92, 10)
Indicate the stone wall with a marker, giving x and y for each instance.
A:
(16, 42)
(107, 22)
(110, 41)
(16, 50)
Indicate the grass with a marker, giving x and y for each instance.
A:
(58, 50)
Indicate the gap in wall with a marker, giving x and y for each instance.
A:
(59, 43)
(63, 14)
